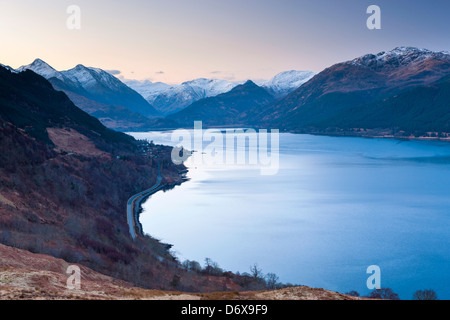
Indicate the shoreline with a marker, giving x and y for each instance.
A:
(355, 133)
(348, 134)
(134, 205)
(135, 201)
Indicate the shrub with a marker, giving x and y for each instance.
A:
(353, 293)
(425, 295)
(384, 293)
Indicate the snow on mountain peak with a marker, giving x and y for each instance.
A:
(209, 87)
(42, 68)
(171, 98)
(149, 90)
(87, 77)
(286, 82)
(400, 56)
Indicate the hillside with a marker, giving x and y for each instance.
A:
(225, 109)
(418, 111)
(24, 275)
(65, 180)
(351, 84)
(98, 93)
(112, 116)
(29, 101)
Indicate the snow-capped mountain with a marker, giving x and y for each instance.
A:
(88, 78)
(398, 57)
(342, 88)
(286, 82)
(94, 84)
(226, 108)
(149, 90)
(171, 99)
(42, 68)
(178, 97)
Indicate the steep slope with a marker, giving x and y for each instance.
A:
(353, 83)
(416, 112)
(29, 101)
(224, 109)
(44, 69)
(97, 87)
(112, 116)
(65, 180)
(102, 87)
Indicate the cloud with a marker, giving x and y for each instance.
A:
(114, 72)
(224, 75)
(160, 72)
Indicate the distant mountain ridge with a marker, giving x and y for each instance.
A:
(347, 94)
(98, 92)
(351, 84)
(286, 82)
(178, 97)
(29, 101)
(224, 109)
(170, 99)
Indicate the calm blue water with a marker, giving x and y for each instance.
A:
(336, 206)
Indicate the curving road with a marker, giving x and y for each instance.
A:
(134, 203)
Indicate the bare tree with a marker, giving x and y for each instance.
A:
(212, 267)
(208, 263)
(272, 281)
(256, 272)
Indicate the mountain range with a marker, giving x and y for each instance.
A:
(65, 180)
(98, 93)
(224, 109)
(171, 99)
(339, 97)
(31, 103)
(65, 177)
(94, 84)
(121, 105)
(341, 89)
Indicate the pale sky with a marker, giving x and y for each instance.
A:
(178, 40)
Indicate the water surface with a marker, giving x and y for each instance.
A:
(336, 206)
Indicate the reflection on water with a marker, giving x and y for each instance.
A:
(336, 206)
